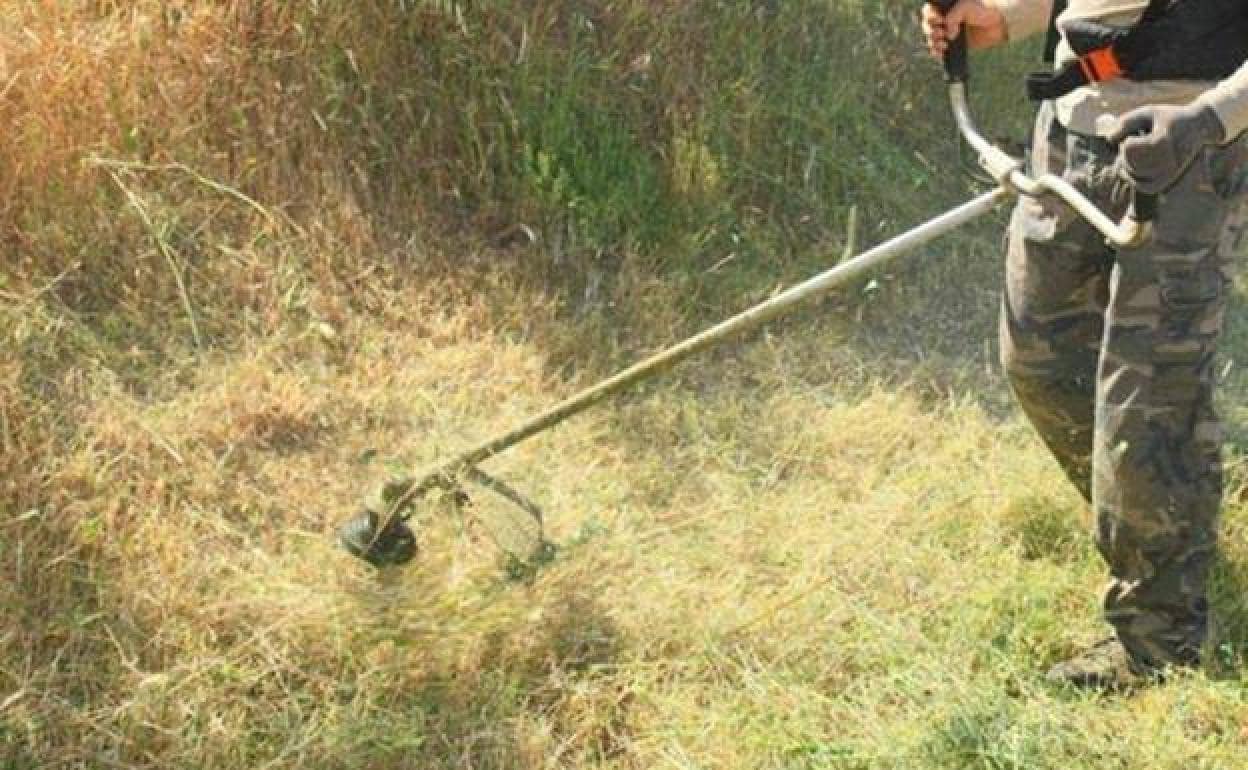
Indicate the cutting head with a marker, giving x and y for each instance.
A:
(513, 523)
(390, 545)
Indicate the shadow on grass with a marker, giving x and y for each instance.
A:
(525, 695)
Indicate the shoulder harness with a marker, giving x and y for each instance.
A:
(1173, 40)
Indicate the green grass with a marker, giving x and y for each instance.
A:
(831, 544)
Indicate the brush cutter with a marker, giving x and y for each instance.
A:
(380, 534)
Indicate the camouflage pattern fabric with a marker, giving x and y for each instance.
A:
(1110, 354)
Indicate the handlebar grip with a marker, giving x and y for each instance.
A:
(955, 60)
(1143, 206)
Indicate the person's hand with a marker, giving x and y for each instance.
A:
(1156, 144)
(984, 24)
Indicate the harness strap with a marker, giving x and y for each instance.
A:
(1155, 48)
(1052, 37)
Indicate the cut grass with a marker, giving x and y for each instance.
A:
(760, 567)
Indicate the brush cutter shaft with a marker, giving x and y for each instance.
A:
(397, 493)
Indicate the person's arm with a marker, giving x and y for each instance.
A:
(1023, 18)
(1229, 101)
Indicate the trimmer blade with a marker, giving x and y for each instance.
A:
(392, 547)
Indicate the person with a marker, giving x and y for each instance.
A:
(1110, 352)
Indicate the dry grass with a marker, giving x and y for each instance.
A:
(763, 571)
(257, 256)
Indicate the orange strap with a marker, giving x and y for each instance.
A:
(1100, 64)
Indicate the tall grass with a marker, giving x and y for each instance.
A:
(258, 255)
(606, 125)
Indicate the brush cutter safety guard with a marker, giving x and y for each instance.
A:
(380, 534)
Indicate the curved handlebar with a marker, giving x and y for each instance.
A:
(1143, 206)
(1136, 225)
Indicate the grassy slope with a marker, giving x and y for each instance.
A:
(828, 546)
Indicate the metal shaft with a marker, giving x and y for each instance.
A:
(398, 493)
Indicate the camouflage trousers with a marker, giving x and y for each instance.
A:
(1110, 353)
